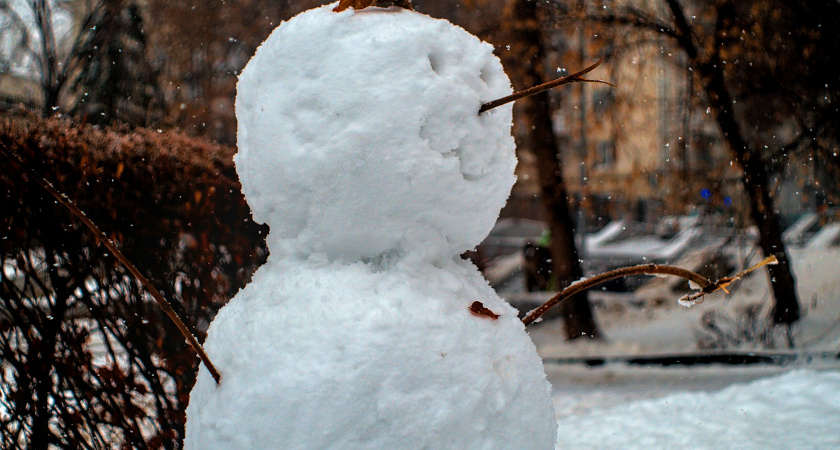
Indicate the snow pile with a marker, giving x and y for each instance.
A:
(359, 135)
(794, 409)
(362, 148)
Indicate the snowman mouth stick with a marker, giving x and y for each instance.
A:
(705, 285)
(109, 244)
(576, 77)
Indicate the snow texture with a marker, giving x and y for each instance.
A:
(620, 406)
(359, 134)
(362, 148)
(798, 409)
(334, 355)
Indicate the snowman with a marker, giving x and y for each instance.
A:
(361, 146)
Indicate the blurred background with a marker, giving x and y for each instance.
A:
(717, 147)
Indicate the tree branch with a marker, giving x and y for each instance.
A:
(634, 19)
(683, 30)
(573, 78)
(706, 286)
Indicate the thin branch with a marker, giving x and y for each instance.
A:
(706, 286)
(682, 30)
(697, 297)
(162, 302)
(573, 78)
(83, 40)
(23, 44)
(631, 18)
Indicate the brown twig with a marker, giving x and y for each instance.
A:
(573, 78)
(109, 244)
(697, 297)
(706, 286)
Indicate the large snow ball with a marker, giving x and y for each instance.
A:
(359, 134)
(317, 355)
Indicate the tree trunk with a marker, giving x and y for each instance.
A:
(755, 176)
(762, 208)
(50, 67)
(526, 33)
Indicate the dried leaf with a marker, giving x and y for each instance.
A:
(478, 309)
(362, 4)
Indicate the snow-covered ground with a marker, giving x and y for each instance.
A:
(795, 409)
(713, 406)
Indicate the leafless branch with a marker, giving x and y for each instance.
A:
(576, 77)
(706, 286)
(630, 17)
(23, 45)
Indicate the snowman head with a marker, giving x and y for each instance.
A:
(370, 142)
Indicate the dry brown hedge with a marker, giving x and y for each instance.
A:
(174, 205)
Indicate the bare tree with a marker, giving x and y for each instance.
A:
(89, 57)
(525, 66)
(761, 68)
(755, 177)
(36, 51)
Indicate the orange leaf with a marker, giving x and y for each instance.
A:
(478, 309)
(362, 4)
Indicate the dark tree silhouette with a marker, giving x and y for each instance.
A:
(117, 82)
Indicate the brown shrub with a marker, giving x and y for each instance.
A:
(174, 205)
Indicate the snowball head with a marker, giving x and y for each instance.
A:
(359, 135)
(333, 355)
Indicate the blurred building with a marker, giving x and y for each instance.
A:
(639, 151)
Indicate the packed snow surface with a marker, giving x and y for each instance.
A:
(359, 134)
(361, 146)
(307, 362)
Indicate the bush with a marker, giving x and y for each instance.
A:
(89, 361)
(748, 327)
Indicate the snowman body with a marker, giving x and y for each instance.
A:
(361, 146)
